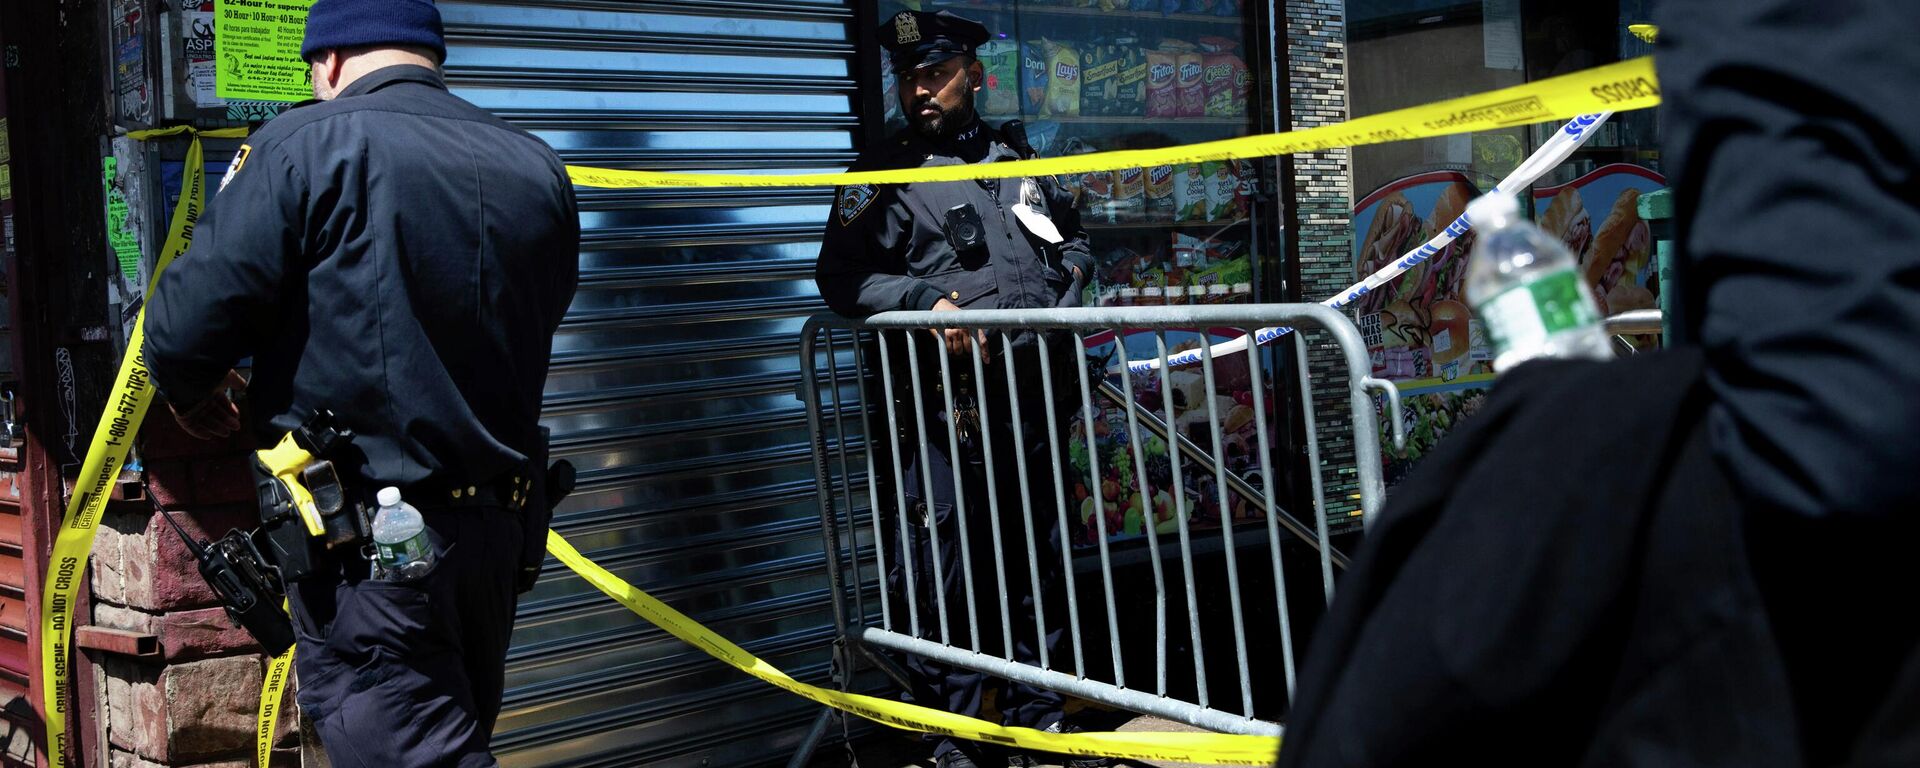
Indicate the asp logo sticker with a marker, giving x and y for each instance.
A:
(854, 200)
(233, 168)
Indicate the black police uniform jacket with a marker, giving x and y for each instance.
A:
(886, 247)
(396, 255)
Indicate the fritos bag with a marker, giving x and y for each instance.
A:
(1189, 87)
(1163, 68)
(1160, 193)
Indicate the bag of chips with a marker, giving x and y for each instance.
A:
(1001, 58)
(1223, 192)
(1190, 193)
(1035, 76)
(1130, 86)
(1190, 90)
(1100, 78)
(1163, 100)
(1096, 196)
(1063, 84)
(1129, 194)
(1159, 193)
(1226, 80)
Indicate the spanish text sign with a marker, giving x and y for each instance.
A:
(258, 46)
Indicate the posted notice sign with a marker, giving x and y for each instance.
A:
(258, 46)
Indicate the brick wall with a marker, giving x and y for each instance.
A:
(194, 702)
(1317, 88)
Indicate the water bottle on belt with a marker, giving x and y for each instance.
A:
(402, 546)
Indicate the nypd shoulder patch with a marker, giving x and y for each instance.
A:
(233, 167)
(854, 200)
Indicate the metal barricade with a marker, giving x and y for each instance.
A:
(876, 464)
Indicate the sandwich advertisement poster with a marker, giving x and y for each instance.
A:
(1598, 217)
(1420, 333)
(1414, 328)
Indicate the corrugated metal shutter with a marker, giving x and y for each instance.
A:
(673, 382)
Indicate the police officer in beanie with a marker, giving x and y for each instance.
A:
(395, 255)
(994, 244)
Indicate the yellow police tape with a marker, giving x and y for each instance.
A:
(126, 408)
(1620, 87)
(272, 689)
(1214, 748)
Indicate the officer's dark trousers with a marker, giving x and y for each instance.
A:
(952, 688)
(402, 674)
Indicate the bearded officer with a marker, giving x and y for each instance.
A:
(1012, 243)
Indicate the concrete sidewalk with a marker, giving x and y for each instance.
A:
(898, 749)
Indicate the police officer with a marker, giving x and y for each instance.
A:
(393, 254)
(994, 244)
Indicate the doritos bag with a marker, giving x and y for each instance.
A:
(1034, 77)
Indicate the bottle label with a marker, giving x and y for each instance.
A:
(1525, 316)
(395, 555)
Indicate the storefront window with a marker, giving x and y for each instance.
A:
(1423, 335)
(1097, 75)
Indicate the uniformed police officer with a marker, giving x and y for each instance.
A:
(397, 256)
(996, 244)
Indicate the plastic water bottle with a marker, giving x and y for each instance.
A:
(1526, 287)
(403, 549)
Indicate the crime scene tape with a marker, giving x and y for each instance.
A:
(1627, 85)
(1212, 748)
(126, 409)
(272, 688)
(1550, 155)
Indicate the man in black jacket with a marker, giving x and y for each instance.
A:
(1701, 557)
(401, 258)
(993, 244)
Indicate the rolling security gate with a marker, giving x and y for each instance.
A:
(674, 376)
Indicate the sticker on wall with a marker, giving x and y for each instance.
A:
(257, 43)
(203, 66)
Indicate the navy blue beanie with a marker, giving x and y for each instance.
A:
(362, 23)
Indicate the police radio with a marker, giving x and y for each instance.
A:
(245, 582)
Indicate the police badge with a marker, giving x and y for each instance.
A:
(853, 200)
(906, 29)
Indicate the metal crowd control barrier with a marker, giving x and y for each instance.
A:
(863, 483)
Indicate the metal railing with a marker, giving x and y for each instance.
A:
(1621, 329)
(1004, 429)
